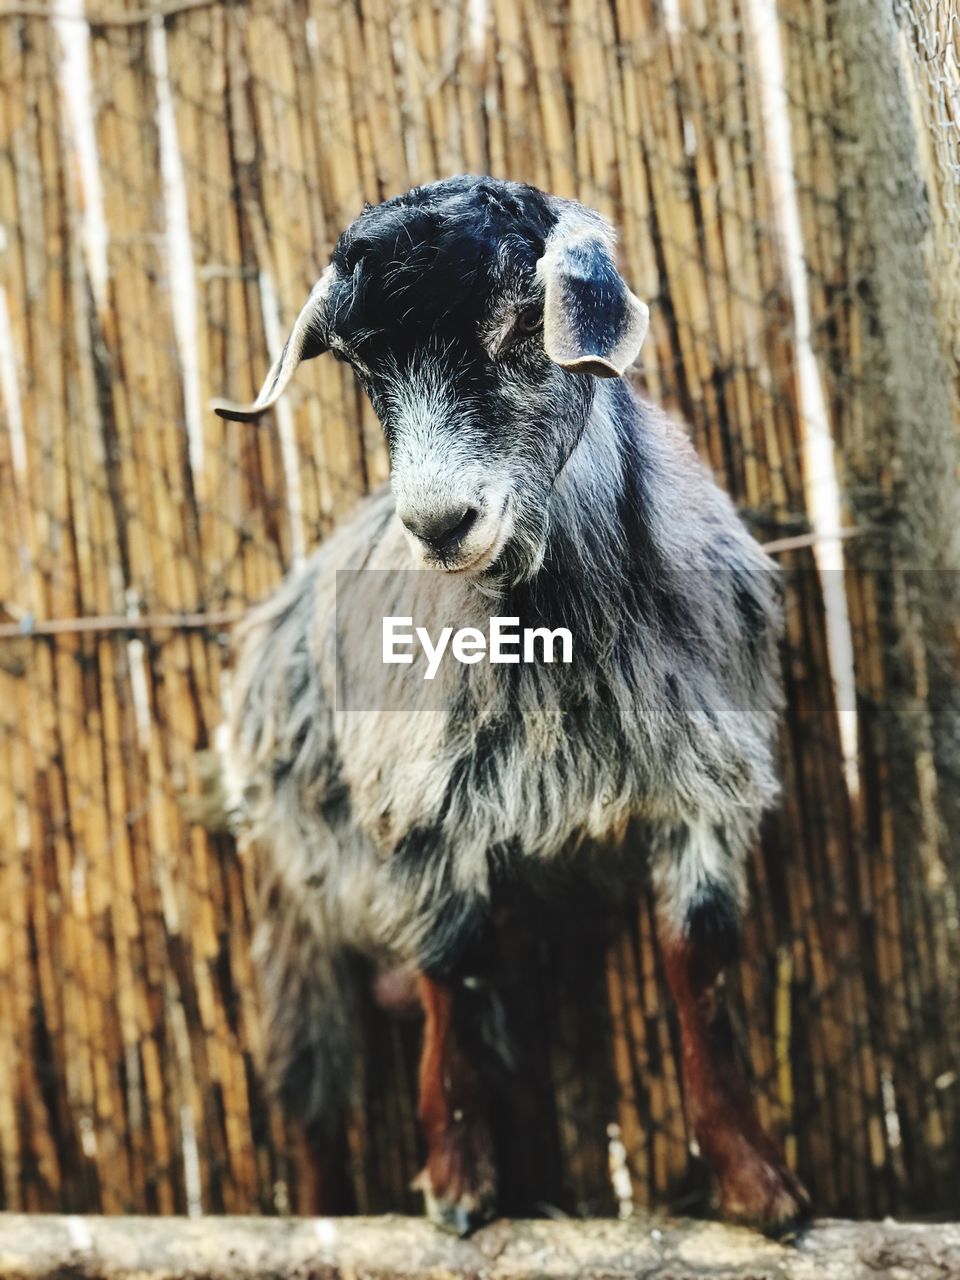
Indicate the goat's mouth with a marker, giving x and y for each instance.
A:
(480, 562)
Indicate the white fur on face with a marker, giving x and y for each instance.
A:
(438, 465)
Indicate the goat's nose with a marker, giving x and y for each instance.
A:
(444, 531)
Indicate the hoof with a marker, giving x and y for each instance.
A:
(762, 1192)
(460, 1217)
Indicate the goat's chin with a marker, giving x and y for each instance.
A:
(478, 563)
(516, 563)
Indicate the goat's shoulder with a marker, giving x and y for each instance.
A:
(691, 508)
(283, 646)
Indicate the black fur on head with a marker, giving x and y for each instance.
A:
(468, 237)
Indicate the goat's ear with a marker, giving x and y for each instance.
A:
(592, 323)
(305, 340)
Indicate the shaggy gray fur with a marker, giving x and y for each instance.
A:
(383, 834)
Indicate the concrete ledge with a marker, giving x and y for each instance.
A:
(41, 1247)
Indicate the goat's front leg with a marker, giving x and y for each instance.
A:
(459, 1180)
(699, 879)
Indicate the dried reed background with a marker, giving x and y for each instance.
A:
(159, 265)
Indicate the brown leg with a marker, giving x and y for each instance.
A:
(755, 1184)
(459, 1181)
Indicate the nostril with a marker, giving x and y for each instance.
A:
(456, 530)
(445, 532)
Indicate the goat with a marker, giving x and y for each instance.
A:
(490, 327)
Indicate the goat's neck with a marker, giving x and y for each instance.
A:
(600, 496)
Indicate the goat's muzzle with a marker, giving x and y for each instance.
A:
(443, 532)
(459, 538)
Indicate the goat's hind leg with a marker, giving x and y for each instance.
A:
(699, 880)
(459, 1179)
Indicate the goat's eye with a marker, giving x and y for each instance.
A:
(529, 320)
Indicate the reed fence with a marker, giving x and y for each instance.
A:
(172, 178)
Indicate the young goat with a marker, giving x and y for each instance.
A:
(489, 326)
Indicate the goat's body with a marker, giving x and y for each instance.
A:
(484, 319)
(385, 827)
